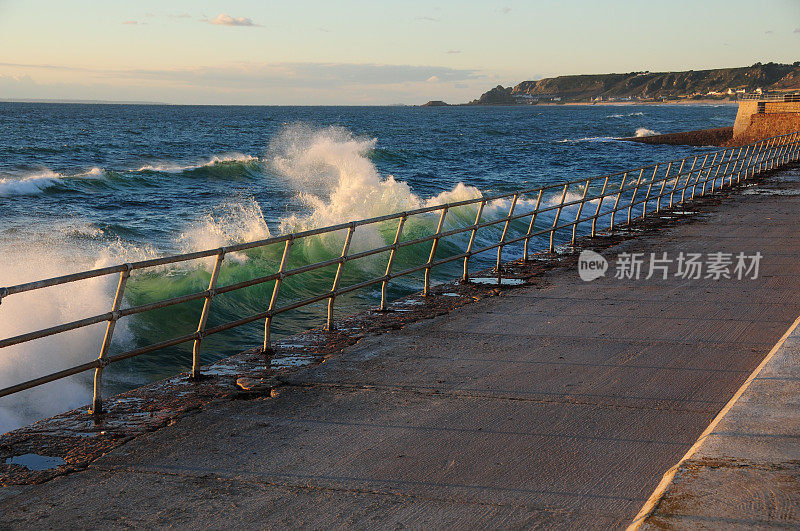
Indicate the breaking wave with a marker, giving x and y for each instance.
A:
(588, 139)
(329, 171)
(172, 167)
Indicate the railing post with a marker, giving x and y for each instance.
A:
(795, 146)
(689, 178)
(427, 289)
(555, 221)
(342, 259)
(392, 254)
(782, 152)
(616, 201)
(762, 164)
(599, 204)
(633, 197)
(97, 398)
(663, 184)
(578, 215)
(708, 176)
(505, 232)
(727, 165)
(699, 175)
(751, 162)
(201, 326)
(737, 167)
(716, 171)
(649, 189)
(776, 149)
(465, 278)
(525, 254)
(786, 148)
(678, 178)
(276, 289)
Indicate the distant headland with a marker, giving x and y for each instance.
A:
(721, 84)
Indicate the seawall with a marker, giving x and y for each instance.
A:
(755, 121)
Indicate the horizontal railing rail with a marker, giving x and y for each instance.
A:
(784, 97)
(630, 194)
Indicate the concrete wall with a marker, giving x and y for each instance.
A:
(766, 125)
(778, 118)
(746, 110)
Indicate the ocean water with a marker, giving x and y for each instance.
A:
(84, 186)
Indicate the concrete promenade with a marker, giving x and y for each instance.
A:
(555, 405)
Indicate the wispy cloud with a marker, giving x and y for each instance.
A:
(255, 75)
(427, 19)
(453, 51)
(797, 30)
(131, 22)
(244, 82)
(504, 10)
(181, 15)
(769, 32)
(224, 19)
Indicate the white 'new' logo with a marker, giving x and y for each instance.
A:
(591, 265)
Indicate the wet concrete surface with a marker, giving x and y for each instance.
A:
(557, 404)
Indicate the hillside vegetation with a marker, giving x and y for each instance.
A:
(721, 83)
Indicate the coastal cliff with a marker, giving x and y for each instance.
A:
(719, 83)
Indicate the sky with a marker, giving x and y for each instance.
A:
(354, 52)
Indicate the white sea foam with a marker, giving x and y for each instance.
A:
(172, 167)
(30, 184)
(38, 309)
(618, 115)
(588, 139)
(646, 132)
(234, 222)
(332, 174)
(38, 181)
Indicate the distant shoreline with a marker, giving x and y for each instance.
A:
(590, 103)
(548, 104)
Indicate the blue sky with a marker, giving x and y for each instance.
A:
(366, 52)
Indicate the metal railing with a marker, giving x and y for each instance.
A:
(787, 98)
(631, 194)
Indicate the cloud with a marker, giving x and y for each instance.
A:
(453, 51)
(504, 10)
(226, 20)
(240, 83)
(247, 76)
(131, 22)
(182, 15)
(769, 32)
(796, 30)
(427, 19)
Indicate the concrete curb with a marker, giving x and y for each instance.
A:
(650, 505)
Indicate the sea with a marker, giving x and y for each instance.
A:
(90, 185)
